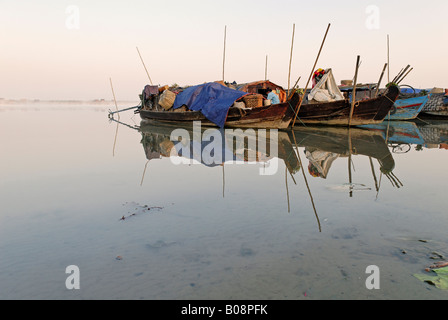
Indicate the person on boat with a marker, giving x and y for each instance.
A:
(273, 97)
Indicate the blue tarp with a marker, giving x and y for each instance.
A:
(409, 90)
(212, 99)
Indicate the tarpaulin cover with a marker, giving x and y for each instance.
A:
(326, 89)
(212, 99)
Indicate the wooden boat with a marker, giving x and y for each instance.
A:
(367, 111)
(407, 109)
(276, 116)
(437, 105)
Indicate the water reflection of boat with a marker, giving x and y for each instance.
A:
(401, 135)
(434, 133)
(398, 132)
(324, 144)
(214, 147)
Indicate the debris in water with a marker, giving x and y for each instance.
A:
(349, 187)
(439, 277)
(440, 264)
(138, 209)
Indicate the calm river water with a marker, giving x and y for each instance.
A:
(80, 191)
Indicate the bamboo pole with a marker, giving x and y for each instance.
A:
(292, 89)
(113, 93)
(224, 53)
(266, 69)
(290, 56)
(388, 62)
(354, 92)
(405, 76)
(398, 75)
(359, 66)
(147, 73)
(397, 78)
(379, 81)
(311, 74)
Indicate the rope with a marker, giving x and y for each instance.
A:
(390, 99)
(295, 113)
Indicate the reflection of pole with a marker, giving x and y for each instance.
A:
(287, 191)
(223, 180)
(144, 172)
(115, 140)
(113, 93)
(116, 106)
(373, 173)
(306, 181)
(350, 163)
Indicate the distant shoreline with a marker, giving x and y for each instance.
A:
(65, 102)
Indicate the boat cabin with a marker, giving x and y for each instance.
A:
(261, 87)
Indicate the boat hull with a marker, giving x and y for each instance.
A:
(277, 116)
(338, 112)
(407, 109)
(437, 105)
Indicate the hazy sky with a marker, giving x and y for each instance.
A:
(69, 49)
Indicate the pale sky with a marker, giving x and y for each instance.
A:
(68, 49)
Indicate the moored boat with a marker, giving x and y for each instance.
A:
(437, 104)
(326, 105)
(407, 109)
(216, 105)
